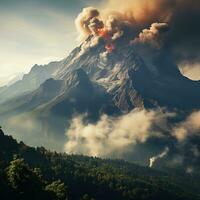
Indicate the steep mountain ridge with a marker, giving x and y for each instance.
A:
(159, 82)
(93, 82)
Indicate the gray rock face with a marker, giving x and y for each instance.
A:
(132, 82)
(122, 77)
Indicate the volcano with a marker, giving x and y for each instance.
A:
(95, 81)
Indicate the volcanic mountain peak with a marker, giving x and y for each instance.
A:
(93, 81)
(97, 62)
(152, 78)
(127, 75)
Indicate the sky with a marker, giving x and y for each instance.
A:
(36, 32)
(40, 31)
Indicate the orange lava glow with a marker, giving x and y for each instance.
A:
(103, 33)
(109, 46)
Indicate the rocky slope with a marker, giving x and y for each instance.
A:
(92, 82)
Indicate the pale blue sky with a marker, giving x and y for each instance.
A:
(36, 31)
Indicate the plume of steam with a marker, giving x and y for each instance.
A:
(189, 127)
(110, 135)
(160, 156)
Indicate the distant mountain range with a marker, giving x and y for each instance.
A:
(29, 82)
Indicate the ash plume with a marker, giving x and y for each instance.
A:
(114, 22)
(153, 35)
(88, 22)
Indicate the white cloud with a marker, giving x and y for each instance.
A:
(187, 128)
(192, 71)
(110, 135)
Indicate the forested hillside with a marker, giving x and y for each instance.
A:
(35, 173)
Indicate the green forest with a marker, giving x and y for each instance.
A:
(28, 173)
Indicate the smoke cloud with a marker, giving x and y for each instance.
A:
(110, 135)
(143, 12)
(90, 23)
(131, 20)
(152, 36)
(182, 16)
(160, 156)
(87, 22)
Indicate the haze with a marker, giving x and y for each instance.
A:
(35, 31)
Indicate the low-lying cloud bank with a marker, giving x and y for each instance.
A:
(114, 136)
(111, 135)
